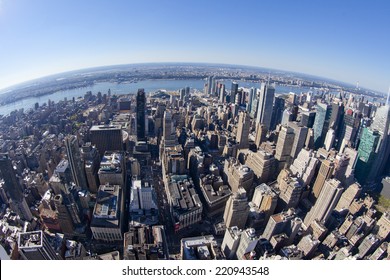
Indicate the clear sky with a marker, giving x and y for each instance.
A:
(346, 40)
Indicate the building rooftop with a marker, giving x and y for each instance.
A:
(183, 196)
(30, 239)
(111, 162)
(105, 127)
(107, 207)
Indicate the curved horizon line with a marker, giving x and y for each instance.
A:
(26, 82)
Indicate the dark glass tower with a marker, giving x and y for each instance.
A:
(277, 112)
(12, 186)
(141, 102)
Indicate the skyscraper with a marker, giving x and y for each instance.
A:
(91, 161)
(74, 158)
(244, 123)
(233, 92)
(168, 134)
(283, 146)
(230, 242)
(141, 103)
(326, 202)
(106, 138)
(321, 123)
(300, 134)
(264, 109)
(382, 124)
(366, 154)
(251, 95)
(277, 112)
(248, 243)
(13, 188)
(12, 185)
(326, 170)
(236, 209)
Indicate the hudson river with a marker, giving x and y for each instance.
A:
(126, 88)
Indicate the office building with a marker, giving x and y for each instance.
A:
(262, 206)
(12, 185)
(238, 175)
(261, 132)
(112, 168)
(321, 123)
(107, 219)
(75, 162)
(244, 124)
(284, 146)
(348, 196)
(368, 246)
(141, 107)
(284, 222)
(248, 242)
(300, 134)
(326, 202)
(236, 209)
(215, 194)
(325, 172)
(106, 138)
(230, 242)
(34, 245)
(308, 245)
(91, 160)
(233, 92)
(304, 166)
(290, 190)
(262, 164)
(277, 112)
(169, 134)
(366, 154)
(265, 103)
(185, 205)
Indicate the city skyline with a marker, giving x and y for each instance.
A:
(332, 40)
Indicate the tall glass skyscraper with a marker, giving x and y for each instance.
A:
(141, 103)
(321, 123)
(366, 154)
(264, 109)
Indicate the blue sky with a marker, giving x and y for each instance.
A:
(343, 40)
